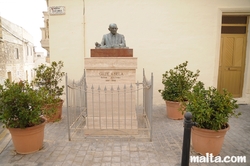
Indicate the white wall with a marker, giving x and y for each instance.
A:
(66, 37)
(164, 34)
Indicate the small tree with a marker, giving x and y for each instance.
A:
(48, 78)
(178, 82)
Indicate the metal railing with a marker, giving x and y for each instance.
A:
(98, 110)
(76, 102)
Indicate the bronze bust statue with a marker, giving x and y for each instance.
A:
(112, 39)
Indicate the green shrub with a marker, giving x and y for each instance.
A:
(210, 108)
(48, 78)
(178, 82)
(20, 104)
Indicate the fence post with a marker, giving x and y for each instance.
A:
(186, 139)
(67, 105)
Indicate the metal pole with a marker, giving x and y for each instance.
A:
(99, 104)
(186, 139)
(151, 106)
(67, 103)
(144, 98)
(85, 93)
(125, 118)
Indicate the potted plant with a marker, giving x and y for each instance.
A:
(211, 111)
(177, 82)
(49, 78)
(21, 113)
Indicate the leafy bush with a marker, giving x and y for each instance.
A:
(210, 108)
(178, 82)
(48, 78)
(20, 104)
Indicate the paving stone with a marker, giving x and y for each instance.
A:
(57, 163)
(96, 164)
(67, 163)
(116, 159)
(97, 159)
(105, 159)
(61, 157)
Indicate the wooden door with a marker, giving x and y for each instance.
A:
(232, 54)
(232, 63)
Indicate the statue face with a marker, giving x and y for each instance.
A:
(113, 29)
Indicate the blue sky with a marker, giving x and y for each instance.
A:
(27, 14)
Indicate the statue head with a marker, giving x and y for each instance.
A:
(113, 28)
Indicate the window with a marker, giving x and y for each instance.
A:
(16, 53)
(234, 25)
(30, 51)
(27, 75)
(31, 73)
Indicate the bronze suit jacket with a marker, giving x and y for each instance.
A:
(112, 41)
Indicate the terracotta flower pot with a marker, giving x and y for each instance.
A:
(173, 110)
(28, 140)
(208, 141)
(58, 111)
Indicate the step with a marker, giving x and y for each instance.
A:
(110, 126)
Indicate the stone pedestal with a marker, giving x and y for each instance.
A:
(111, 94)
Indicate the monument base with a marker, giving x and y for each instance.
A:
(111, 96)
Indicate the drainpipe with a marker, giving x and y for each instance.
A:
(84, 27)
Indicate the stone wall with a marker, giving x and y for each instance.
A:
(9, 61)
(16, 52)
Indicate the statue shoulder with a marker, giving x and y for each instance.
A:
(105, 36)
(120, 34)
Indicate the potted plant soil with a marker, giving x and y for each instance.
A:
(21, 113)
(177, 82)
(49, 77)
(211, 111)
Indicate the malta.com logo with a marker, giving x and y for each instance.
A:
(209, 158)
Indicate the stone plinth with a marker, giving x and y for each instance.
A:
(107, 52)
(111, 95)
(107, 71)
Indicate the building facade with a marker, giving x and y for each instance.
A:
(39, 59)
(16, 52)
(162, 35)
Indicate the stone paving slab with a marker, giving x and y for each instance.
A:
(164, 150)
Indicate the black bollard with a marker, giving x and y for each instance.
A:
(186, 139)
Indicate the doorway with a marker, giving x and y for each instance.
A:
(9, 76)
(232, 54)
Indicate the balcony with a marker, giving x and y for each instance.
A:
(45, 32)
(45, 39)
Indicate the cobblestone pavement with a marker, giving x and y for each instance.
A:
(164, 150)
